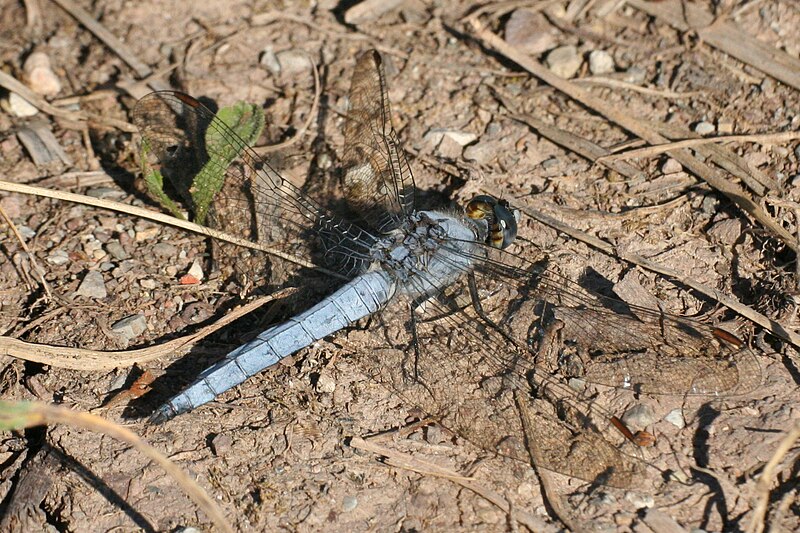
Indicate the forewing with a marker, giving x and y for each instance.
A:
(604, 341)
(255, 202)
(377, 178)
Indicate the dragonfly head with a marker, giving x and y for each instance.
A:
(500, 217)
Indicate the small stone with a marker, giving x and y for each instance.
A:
(147, 233)
(326, 383)
(221, 443)
(148, 284)
(725, 125)
(639, 416)
(130, 327)
(293, 61)
(675, 417)
(726, 231)
(635, 75)
(601, 62)
(58, 258)
(196, 270)
(19, 107)
(165, 250)
(93, 286)
(704, 128)
(39, 75)
(576, 384)
(482, 153)
(564, 61)
(640, 501)
(530, 32)
(26, 232)
(349, 503)
(449, 148)
(12, 205)
(270, 60)
(117, 251)
(671, 166)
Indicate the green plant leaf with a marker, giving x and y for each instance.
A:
(155, 184)
(246, 120)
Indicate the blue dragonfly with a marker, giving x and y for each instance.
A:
(483, 332)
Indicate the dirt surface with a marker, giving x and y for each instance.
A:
(274, 452)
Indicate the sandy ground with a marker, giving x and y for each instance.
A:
(275, 453)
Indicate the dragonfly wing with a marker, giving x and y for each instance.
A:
(605, 341)
(478, 384)
(377, 179)
(254, 202)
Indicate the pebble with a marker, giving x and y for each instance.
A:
(221, 443)
(601, 62)
(93, 286)
(12, 205)
(671, 166)
(482, 152)
(270, 60)
(704, 128)
(148, 284)
(196, 270)
(19, 107)
(639, 416)
(529, 32)
(39, 75)
(165, 250)
(448, 143)
(726, 231)
(635, 75)
(58, 258)
(293, 61)
(577, 384)
(675, 417)
(725, 125)
(147, 233)
(326, 383)
(130, 327)
(564, 61)
(349, 503)
(117, 251)
(26, 232)
(640, 501)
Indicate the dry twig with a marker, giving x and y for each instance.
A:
(19, 415)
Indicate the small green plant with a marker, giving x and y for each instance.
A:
(247, 121)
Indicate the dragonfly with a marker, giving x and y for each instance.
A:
(472, 332)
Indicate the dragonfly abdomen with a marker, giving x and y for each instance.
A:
(359, 298)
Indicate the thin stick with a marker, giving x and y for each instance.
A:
(161, 218)
(82, 359)
(619, 84)
(18, 415)
(31, 257)
(767, 477)
(650, 151)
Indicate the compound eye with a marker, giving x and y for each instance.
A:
(507, 220)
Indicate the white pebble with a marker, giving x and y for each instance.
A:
(601, 62)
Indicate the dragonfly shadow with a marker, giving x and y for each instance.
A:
(700, 444)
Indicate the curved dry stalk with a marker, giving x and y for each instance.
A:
(83, 359)
(158, 217)
(768, 475)
(19, 415)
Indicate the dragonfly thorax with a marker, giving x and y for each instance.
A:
(426, 252)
